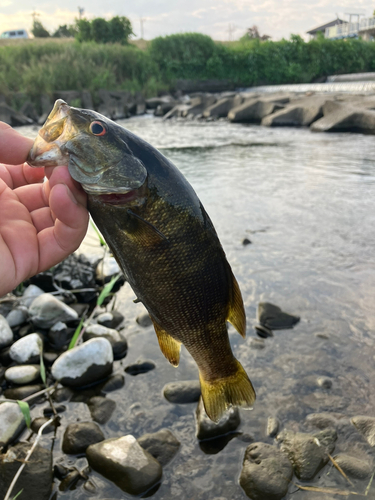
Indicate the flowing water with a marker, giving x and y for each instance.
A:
(307, 203)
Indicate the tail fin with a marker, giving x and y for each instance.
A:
(221, 394)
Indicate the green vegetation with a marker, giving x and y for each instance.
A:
(35, 67)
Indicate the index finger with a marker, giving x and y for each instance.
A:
(14, 147)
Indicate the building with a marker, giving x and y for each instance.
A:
(339, 29)
(322, 29)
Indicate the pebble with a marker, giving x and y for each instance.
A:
(46, 310)
(85, 364)
(78, 436)
(27, 349)
(366, 426)
(123, 461)
(36, 478)
(266, 472)
(144, 320)
(273, 426)
(324, 382)
(183, 392)
(101, 409)
(23, 391)
(246, 242)
(274, 318)
(118, 342)
(23, 374)
(107, 268)
(354, 467)
(162, 445)
(207, 429)
(30, 293)
(17, 317)
(140, 366)
(110, 319)
(37, 423)
(255, 343)
(12, 422)
(263, 332)
(307, 452)
(115, 381)
(6, 334)
(60, 335)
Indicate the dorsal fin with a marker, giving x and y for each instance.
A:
(236, 311)
(168, 345)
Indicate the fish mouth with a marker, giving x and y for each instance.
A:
(47, 150)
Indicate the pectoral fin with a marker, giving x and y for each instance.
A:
(168, 345)
(236, 311)
(149, 231)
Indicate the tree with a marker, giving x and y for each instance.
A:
(64, 31)
(120, 29)
(38, 30)
(83, 33)
(253, 34)
(116, 30)
(100, 32)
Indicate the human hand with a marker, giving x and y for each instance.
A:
(41, 223)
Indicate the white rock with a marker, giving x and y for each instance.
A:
(17, 316)
(30, 293)
(107, 268)
(103, 331)
(23, 374)
(12, 422)
(85, 364)
(46, 310)
(26, 348)
(6, 334)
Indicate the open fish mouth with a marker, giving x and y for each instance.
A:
(48, 148)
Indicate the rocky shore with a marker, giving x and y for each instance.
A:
(322, 112)
(40, 367)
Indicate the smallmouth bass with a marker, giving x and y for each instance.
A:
(163, 240)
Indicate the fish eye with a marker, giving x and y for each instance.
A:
(97, 128)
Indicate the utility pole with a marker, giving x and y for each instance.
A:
(81, 11)
(142, 20)
(231, 29)
(34, 15)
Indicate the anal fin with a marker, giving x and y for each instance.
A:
(236, 312)
(168, 345)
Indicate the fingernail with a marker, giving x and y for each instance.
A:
(70, 194)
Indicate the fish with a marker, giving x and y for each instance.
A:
(163, 240)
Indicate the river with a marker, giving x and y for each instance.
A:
(307, 203)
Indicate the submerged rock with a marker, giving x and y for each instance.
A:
(6, 334)
(144, 320)
(307, 452)
(207, 429)
(23, 391)
(274, 318)
(324, 382)
(23, 374)
(12, 422)
(188, 391)
(354, 467)
(140, 366)
(79, 436)
(110, 319)
(123, 461)
(266, 472)
(327, 419)
(36, 478)
(46, 310)
(83, 365)
(162, 445)
(273, 426)
(101, 409)
(366, 426)
(115, 381)
(27, 349)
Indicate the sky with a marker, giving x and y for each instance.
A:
(220, 19)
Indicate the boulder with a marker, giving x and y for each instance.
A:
(177, 111)
(253, 110)
(207, 429)
(222, 107)
(199, 104)
(12, 422)
(162, 445)
(154, 102)
(83, 365)
(6, 334)
(46, 310)
(12, 117)
(123, 461)
(164, 108)
(266, 472)
(36, 479)
(342, 117)
(27, 349)
(183, 392)
(296, 115)
(79, 436)
(115, 104)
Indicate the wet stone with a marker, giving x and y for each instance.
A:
(79, 436)
(17, 317)
(257, 344)
(110, 319)
(274, 318)
(12, 422)
(114, 382)
(37, 423)
(324, 382)
(266, 472)
(24, 374)
(36, 477)
(46, 310)
(162, 445)
(144, 320)
(27, 349)
(22, 392)
(273, 426)
(188, 391)
(123, 461)
(83, 365)
(118, 342)
(101, 409)
(354, 467)
(308, 452)
(62, 394)
(60, 335)
(69, 482)
(48, 412)
(366, 426)
(246, 242)
(140, 366)
(263, 332)
(327, 419)
(207, 429)
(6, 334)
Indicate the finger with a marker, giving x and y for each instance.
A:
(43, 218)
(61, 175)
(59, 241)
(14, 147)
(33, 196)
(19, 175)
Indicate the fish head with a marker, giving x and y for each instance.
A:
(93, 147)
